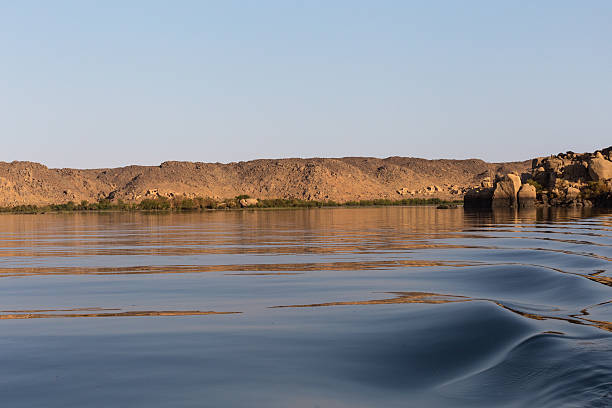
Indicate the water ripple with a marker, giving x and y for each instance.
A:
(329, 307)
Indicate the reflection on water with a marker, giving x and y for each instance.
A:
(326, 307)
(402, 297)
(420, 297)
(98, 312)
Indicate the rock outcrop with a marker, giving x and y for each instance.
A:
(479, 197)
(567, 179)
(507, 191)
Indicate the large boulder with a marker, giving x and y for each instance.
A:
(600, 168)
(546, 179)
(478, 198)
(575, 171)
(486, 182)
(248, 202)
(572, 193)
(527, 196)
(537, 162)
(506, 191)
(554, 165)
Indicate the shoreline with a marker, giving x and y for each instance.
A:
(201, 205)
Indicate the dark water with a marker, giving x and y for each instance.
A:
(394, 307)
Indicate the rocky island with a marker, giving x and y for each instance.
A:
(566, 179)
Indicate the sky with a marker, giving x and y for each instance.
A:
(92, 84)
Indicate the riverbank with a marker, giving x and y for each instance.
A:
(208, 204)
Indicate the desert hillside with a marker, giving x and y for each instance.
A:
(338, 179)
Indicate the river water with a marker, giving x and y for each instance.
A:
(343, 307)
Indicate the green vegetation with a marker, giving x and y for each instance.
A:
(149, 204)
(595, 190)
(201, 204)
(404, 201)
(21, 209)
(447, 206)
(534, 183)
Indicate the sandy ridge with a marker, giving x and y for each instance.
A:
(338, 179)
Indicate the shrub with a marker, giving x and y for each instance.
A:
(22, 209)
(534, 183)
(161, 203)
(595, 189)
(184, 204)
(122, 206)
(104, 204)
(205, 203)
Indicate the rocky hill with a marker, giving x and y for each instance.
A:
(338, 179)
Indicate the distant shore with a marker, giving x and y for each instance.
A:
(316, 179)
(566, 179)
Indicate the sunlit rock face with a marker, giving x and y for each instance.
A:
(506, 191)
(600, 168)
(527, 196)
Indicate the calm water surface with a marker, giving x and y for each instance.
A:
(394, 307)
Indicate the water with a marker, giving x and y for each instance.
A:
(358, 307)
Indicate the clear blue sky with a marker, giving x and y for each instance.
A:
(106, 83)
